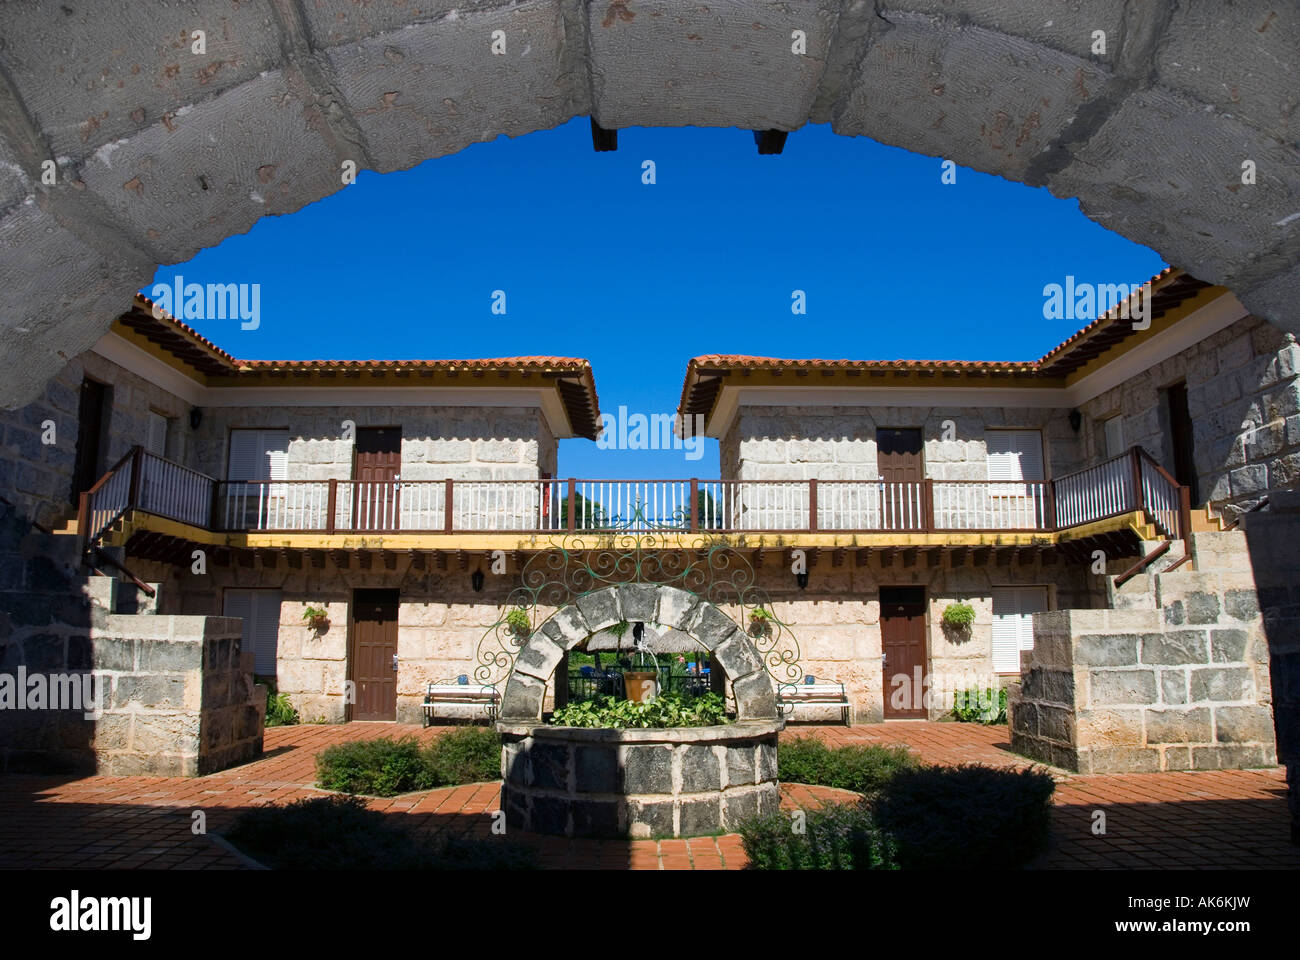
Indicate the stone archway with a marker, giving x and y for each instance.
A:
(161, 151)
(537, 660)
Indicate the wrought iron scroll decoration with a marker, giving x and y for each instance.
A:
(606, 552)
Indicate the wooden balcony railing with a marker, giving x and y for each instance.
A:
(1127, 483)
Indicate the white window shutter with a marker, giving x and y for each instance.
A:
(1032, 600)
(157, 442)
(1006, 630)
(1003, 463)
(245, 450)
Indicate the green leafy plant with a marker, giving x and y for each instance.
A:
(518, 623)
(987, 706)
(280, 711)
(317, 618)
(861, 767)
(758, 613)
(958, 616)
(666, 710)
(386, 766)
(966, 818)
(619, 629)
(341, 833)
(834, 837)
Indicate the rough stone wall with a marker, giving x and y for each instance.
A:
(1174, 677)
(37, 477)
(839, 443)
(463, 443)
(1243, 392)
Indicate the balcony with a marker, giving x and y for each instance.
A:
(149, 485)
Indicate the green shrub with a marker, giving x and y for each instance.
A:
(987, 706)
(966, 818)
(386, 767)
(958, 616)
(835, 837)
(340, 833)
(279, 709)
(518, 623)
(861, 767)
(465, 755)
(666, 710)
(382, 767)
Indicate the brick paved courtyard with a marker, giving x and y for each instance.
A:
(1220, 819)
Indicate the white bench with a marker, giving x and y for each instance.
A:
(458, 691)
(818, 691)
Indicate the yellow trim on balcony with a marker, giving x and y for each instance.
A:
(138, 522)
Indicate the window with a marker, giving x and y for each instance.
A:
(157, 436)
(257, 458)
(1014, 455)
(1013, 624)
(1114, 431)
(260, 611)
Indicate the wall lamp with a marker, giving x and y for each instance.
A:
(802, 580)
(196, 417)
(1076, 420)
(476, 580)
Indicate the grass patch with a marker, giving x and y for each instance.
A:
(864, 768)
(388, 766)
(340, 833)
(834, 837)
(966, 818)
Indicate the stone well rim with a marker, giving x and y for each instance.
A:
(714, 733)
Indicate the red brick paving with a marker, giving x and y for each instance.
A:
(1234, 819)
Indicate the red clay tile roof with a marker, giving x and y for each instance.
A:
(582, 405)
(1169, 288)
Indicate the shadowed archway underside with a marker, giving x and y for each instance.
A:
(161, 151)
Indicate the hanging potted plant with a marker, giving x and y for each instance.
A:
(958, 619)
(760, 622)
(317, 618)
(517, 622)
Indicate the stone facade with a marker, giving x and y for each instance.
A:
(1243, 393)
(1174, 677)
(38, 477)
(839, 442)
(681, 782)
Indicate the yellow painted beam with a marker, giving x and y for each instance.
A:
(137, 522)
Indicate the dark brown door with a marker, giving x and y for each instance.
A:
(374, 654)
(376, 470)
(1180, 435)
(92, 417)
(902, 640)
(898, 458)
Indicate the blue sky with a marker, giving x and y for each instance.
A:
(639, 278)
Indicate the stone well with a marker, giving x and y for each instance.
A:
(674, 782)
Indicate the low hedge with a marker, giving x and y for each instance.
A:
(834, 837)
(387, 766)
(861, 767)
(340, 833)
(966, 818)
(666, 710)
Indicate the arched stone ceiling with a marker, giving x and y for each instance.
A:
(161, 152)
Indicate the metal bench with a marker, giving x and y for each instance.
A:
(459, 691)
(813, 691)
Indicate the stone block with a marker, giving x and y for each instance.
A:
(539, 656)
(1228, 646)
(1202, 608)
(755, 696)
(549, 766)
(522, 698)
(158, 692)
(648, 769)
(700, 817)
(1109, 727)
(1231, 757)
(1241, 604)
(737, 657)
(1178, 726)
(596, 769)
(1119, 760)
(600, 609)
(1173, 686)
(1122, 686)
(700, 769)
(1243, 724)
(1174, 647)
(638, 601)
(1221, 683)
(173, 656)
(713, 627)
(740, 766)
(649, 820)
(1102, 650)
(677, 608)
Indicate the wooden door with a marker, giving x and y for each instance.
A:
(92, 415)
(1180, 436)
(376, 470)
(374, 654)
(898, 458)
(902, 639)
